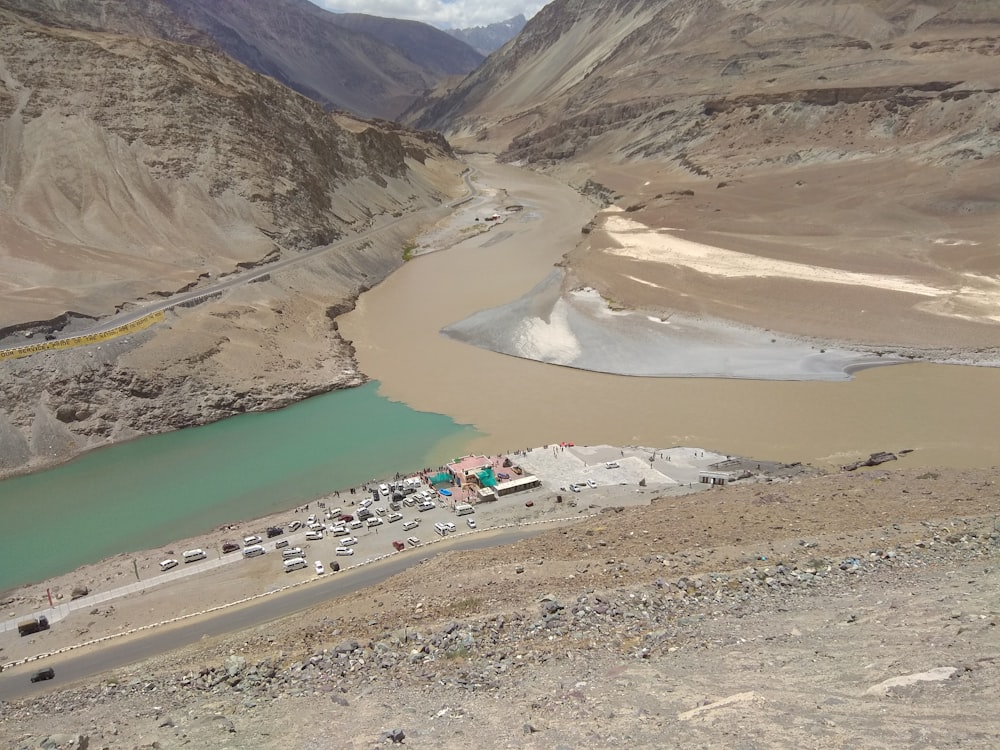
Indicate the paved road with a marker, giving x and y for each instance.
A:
(90, 662)
(245, 277)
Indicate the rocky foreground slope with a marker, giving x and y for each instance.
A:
(822, 613)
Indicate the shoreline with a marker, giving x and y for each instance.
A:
(637, 481)
(577, 328)
(450, 231)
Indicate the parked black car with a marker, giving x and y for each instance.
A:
(43, 674)
(273, 531)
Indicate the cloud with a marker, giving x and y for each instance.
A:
(444, 14)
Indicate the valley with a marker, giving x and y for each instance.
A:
(761, 229)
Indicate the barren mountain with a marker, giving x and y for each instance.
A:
(827, 138)
(133, 168)
(489, 38)
(148, 18)
(430, 48)
(371, 66)
(374, 67)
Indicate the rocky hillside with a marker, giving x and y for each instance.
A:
(432, 49)
(833, 135)
(684, 81)
(148, 18)
(373, 67)
(488, 39)
(133, 168)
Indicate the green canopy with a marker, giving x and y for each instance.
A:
(486, 477)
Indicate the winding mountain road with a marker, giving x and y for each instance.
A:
(240, 278)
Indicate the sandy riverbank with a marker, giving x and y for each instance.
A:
(632, 324)
(576, 328)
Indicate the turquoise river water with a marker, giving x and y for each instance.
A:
(154, 490)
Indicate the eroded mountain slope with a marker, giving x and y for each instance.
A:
(133, 168)
(855, 137)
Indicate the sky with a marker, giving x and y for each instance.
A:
(444, 14)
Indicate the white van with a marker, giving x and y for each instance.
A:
(407, 525)
(441, 529)
(291, 553)
(464, 509)
(296, 563)
(194, 554)
(253, 550)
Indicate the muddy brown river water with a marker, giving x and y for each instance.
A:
(947, 414)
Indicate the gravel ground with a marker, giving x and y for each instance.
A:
(827, 611)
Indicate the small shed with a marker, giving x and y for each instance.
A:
(717, 477)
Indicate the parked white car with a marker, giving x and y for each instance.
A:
(373, 522)
(470, 522)
(393, 517)
(591, 483)
(314, 536)
(320, 570)
(168, 564)
(407, 525)
(348, 541)
(413, 541)
(344, 551)
(249, 541)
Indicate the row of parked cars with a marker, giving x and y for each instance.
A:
(408, 492)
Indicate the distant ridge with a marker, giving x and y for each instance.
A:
(487, 39)
(370, 66)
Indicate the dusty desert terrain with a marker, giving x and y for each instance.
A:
(911, 275)
(815, 611)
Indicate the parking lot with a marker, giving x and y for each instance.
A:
(398, 516)
(606, 477)
(361, 529)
